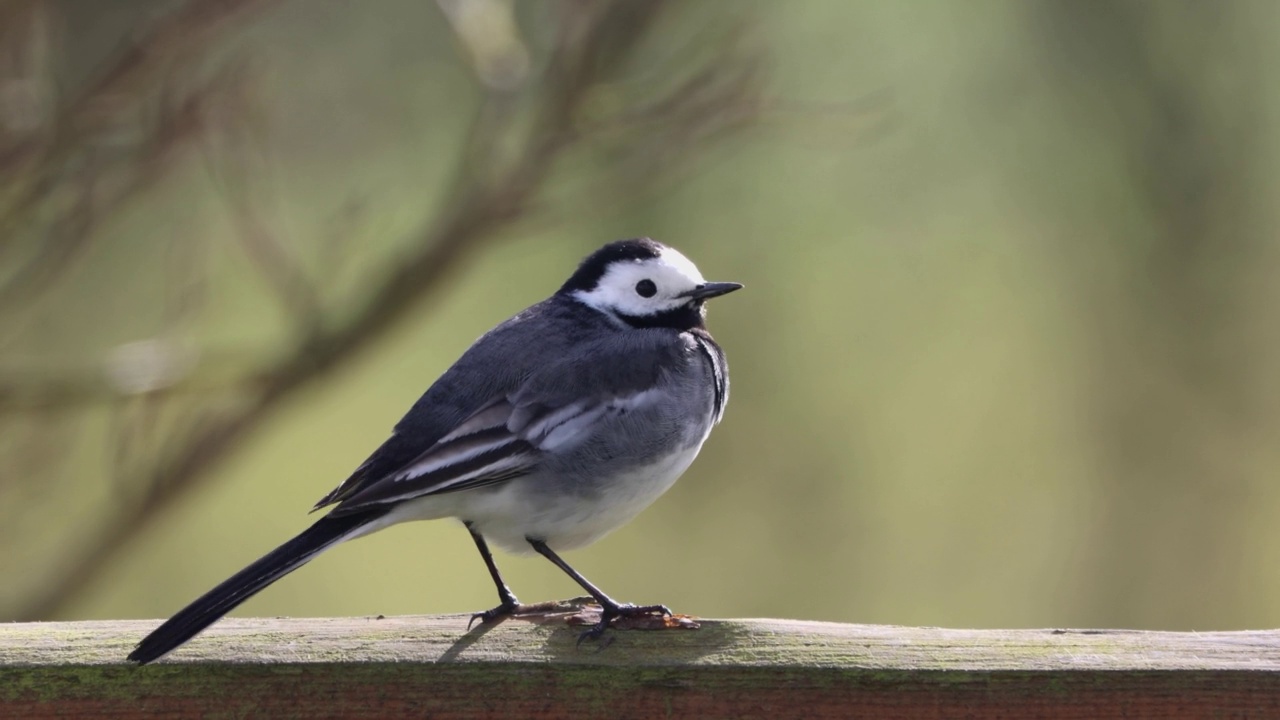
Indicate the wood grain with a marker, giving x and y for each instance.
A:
(433, 667)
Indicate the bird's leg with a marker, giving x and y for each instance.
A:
(609, 608)
(510, 605)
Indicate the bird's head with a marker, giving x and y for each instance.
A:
(644, 283)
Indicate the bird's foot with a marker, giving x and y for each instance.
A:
(543, 610)
(610, 612)
(510, 606)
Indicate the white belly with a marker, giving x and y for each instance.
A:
(523, 509)
(535, 507)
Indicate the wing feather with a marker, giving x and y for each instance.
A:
(500, 442)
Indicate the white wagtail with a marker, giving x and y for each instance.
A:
(553, 429)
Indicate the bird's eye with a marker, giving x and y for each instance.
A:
(646, 288)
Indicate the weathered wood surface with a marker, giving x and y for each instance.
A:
(433, 667)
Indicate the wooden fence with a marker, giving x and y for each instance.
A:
(433, 667)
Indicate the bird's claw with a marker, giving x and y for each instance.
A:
(596, 631)
(626, 610)
(492, 614)
(629, 610)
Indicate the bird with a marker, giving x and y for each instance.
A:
(554, 428)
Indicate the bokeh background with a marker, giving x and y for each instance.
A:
(1007, 354)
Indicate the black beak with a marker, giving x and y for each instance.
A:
(710, 290)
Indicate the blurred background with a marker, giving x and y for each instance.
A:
(1007, 354)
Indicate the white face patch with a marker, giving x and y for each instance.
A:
(671, 273)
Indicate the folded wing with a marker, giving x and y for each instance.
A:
(554, 409)
(501, 442)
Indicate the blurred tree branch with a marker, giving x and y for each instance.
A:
(118, 135)
(170, 435)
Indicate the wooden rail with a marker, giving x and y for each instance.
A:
(433, 667)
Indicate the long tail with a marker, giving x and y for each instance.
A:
(245, 584)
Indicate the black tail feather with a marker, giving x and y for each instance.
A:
(245, 584)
